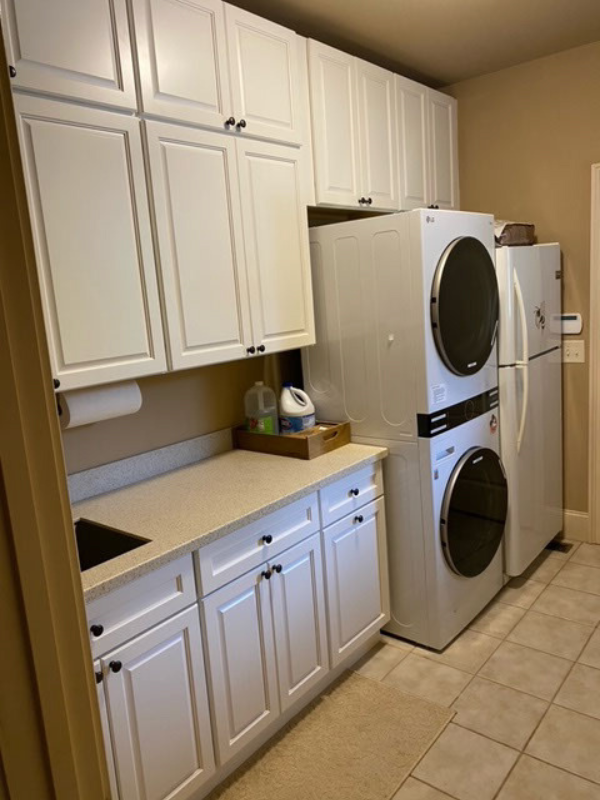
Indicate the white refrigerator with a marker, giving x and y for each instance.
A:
(530, 384)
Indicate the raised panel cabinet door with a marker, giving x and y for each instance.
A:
(198, 221)
(299, 619)
(335, 136)
(377, 126)
(73, 48)
(158, 711)
(241, 656)
(356, 579)
(413, 143)
(182, 57)
(443, 150)
(263, 69)
(108, 750)
(276, 245)
(86, 185)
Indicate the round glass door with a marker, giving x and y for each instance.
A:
(474, 512)
(464, 306)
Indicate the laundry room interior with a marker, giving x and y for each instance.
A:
(299, 448)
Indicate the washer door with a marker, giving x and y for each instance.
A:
(464, 306)
(474, 512)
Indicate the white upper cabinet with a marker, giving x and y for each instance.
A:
(443, 150)
(85, 180)
(377, 127)
(335, 135)
(263, 67)
(276, 245)
(182, 57)
(72, 48)
(413, 143)
(198, 220)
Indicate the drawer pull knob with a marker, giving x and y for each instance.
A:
(97, 630)
(267, 574)
(115, 666)
(267, 538)
(359, 518)
(99, 677)
(277, 568)
(355, 492)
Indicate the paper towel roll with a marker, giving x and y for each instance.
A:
(84, 406)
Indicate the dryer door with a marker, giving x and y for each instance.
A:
(464, 306)
(474, 512)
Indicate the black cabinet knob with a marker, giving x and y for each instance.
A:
(56, 383)
(359, 518)
(267, 538)
(251, 350)
(99, 677)
(97, 630)
(266, 574)
(12, 71)
(354, 492)
(229, 123)
(362, 200)
(115, 666)
(277, 568)
(241, 124)
(370, 201)
(261, 348)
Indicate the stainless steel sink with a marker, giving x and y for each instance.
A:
(98, 543)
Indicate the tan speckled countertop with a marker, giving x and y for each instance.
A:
(192, 506)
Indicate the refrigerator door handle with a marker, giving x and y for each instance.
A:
(523, 364)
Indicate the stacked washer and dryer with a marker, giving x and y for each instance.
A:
(407, 316)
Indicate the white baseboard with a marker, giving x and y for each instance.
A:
(577, 526)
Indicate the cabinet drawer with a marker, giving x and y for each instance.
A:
(134, 608)
(346, 495)
(233, 555)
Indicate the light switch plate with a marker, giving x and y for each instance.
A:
(573, 351)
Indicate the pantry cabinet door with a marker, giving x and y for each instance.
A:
(377, 125)
(276, 244)
(88, 202)
(335, 135)
(108, 748)
(241, 656)
(263, 65)
(182, 56)
(198, 220)
(299, 619)
(413, 143)
(356, 578)
(443, 150)
(158, 711)
(73, 48)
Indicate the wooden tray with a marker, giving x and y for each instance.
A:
(323, 438)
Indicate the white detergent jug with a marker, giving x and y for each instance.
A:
(261, 409)
(296, 411)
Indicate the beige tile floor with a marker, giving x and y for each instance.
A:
(524, 681)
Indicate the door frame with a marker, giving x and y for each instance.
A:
(594, 360)
(48, 698)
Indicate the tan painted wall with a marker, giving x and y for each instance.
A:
(527, 138)
(176, 406)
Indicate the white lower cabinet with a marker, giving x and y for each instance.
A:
(356, 578)
(241, 656)
(157, 710)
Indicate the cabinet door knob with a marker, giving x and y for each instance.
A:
(241, 124)
(359, 518)
(56, 383)
(12, 71)
(267, 538)
(99, 677)
(261, 348)
(362, 200)
(370, 201)
(251, 350)
(115, 666)
(229, 123)
(277, 568)
(266, 574)
(97, 630)
(355, 492)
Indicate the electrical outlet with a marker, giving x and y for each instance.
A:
(573, 351)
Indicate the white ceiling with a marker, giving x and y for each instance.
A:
(441, 41)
